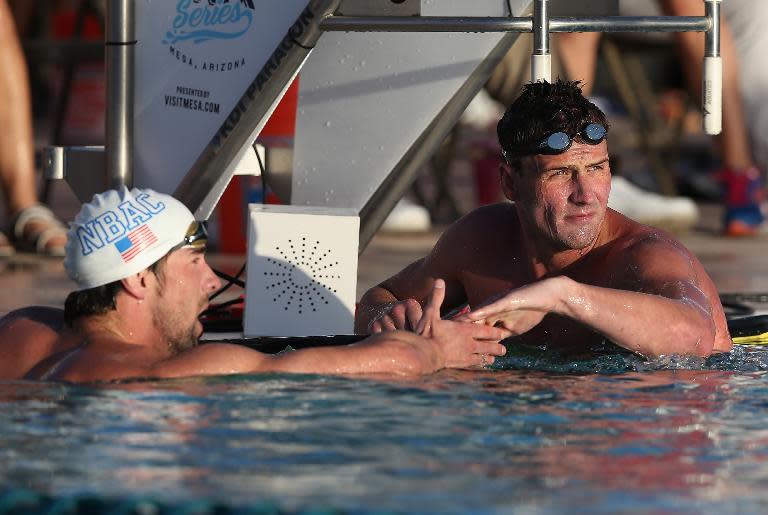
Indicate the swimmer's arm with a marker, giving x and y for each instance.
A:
(396, 352)
(668, 313)
(664, 299)
(438, 344)
(393, 353)
(675, 319)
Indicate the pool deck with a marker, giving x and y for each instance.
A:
(736, 265)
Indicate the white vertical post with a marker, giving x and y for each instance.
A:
(712, 73)
(541, 60)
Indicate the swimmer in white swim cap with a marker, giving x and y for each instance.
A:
(122, 232)
(138, 260)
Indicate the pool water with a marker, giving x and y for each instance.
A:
(668, 436)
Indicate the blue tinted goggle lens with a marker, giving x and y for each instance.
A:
(559, 142)
(593, 133)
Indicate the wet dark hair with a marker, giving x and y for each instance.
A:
(93, 301)
(541, 109)
(101, 299)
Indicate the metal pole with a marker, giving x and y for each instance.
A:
(424, 24)
(630, 24)
(514, 24)
(712, 74)
(120, 50)
(541, 59)
(205, 182)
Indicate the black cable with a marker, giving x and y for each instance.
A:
(228, 303)
(219, 307)
(261, 164)
(748, 326)
(230, 281)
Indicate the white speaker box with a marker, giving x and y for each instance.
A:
(302, 271)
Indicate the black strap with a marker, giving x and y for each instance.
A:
(748, 326)
(275, 344)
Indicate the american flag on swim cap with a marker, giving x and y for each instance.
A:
(136, 241)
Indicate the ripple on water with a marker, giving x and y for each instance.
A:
(607, 359)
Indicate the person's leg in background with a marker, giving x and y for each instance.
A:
(578, 53)
(33, 226)
(740, 176)
(748, 21)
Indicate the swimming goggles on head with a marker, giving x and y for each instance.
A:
(197, 236)
(559, 142)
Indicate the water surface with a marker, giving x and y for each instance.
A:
(670, 436)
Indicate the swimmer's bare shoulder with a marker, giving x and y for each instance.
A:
(94, 361)
(29, 335)
(482, 234)
(478, 241)
(661, 263)
(635, 241)
(100, 361)
(43, 316)
(501, 217)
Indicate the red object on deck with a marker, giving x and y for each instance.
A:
(82, 112)
(232, 208)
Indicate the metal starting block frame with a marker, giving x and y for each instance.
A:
(204, 183)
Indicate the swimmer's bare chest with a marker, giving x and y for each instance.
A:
(494, 277)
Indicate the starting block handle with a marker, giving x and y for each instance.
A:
(541, 59)
(541, 67)
(712, 95)
(712, 72)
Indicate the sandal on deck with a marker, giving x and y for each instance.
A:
(34, 230)
(6, 249)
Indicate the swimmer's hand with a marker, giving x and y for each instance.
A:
(404, 314)
(460, 345)
(518, 310)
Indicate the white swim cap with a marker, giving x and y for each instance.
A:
(120, 233)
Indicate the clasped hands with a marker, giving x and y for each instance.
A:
(509, 314)
(517, 310)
